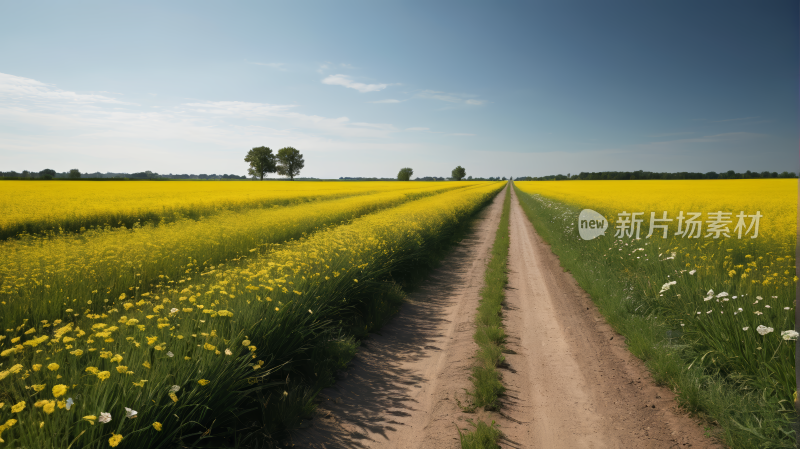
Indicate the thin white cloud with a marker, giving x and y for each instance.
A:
(387, 101)
(32, 103)
(724, 137)
(14, 88)
(682, 133)
(461, 99)
(734, 119)
(346, 81)
(418, 129)
(273, 65)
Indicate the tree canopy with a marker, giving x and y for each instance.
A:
(459, 173)
(74, 174)
(261, 161)
(405, 174)
(290, 162)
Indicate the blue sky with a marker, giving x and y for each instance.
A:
(365, 88)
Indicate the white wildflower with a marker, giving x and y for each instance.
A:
(174, 310)
(174, 389)
(228, 352)
(789, 335)
(170, 354)
(130, 413)
(69, 403)
(745, 328)
(693, 272)
(764, 330)
(722, 295)
(104, 417)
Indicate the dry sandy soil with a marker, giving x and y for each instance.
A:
(571, 381)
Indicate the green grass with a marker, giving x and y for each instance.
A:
(490, 336)
(485, 436)
(746, 404)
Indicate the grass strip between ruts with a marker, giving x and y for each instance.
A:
(490, 337)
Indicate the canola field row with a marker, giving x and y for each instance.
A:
(206, 331)
(725, 285)
(67, 206)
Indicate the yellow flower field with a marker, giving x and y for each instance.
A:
(179, 354)
(39, 277)
(34, 207)
(776, 199)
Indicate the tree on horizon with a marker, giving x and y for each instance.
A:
(261, 161)
(405, 174)
(290, 162)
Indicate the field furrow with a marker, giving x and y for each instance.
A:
(64, 206)
(41, 277)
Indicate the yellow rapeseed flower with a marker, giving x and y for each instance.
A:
(114, 440)
(103, 375)
(18, 407)
(157, 426)
(203, 382)
(59, 390)
(53, 366)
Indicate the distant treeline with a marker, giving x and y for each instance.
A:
(76, 174)
(639, 174)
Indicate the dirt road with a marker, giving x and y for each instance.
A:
(401, 389)
(571, 381)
